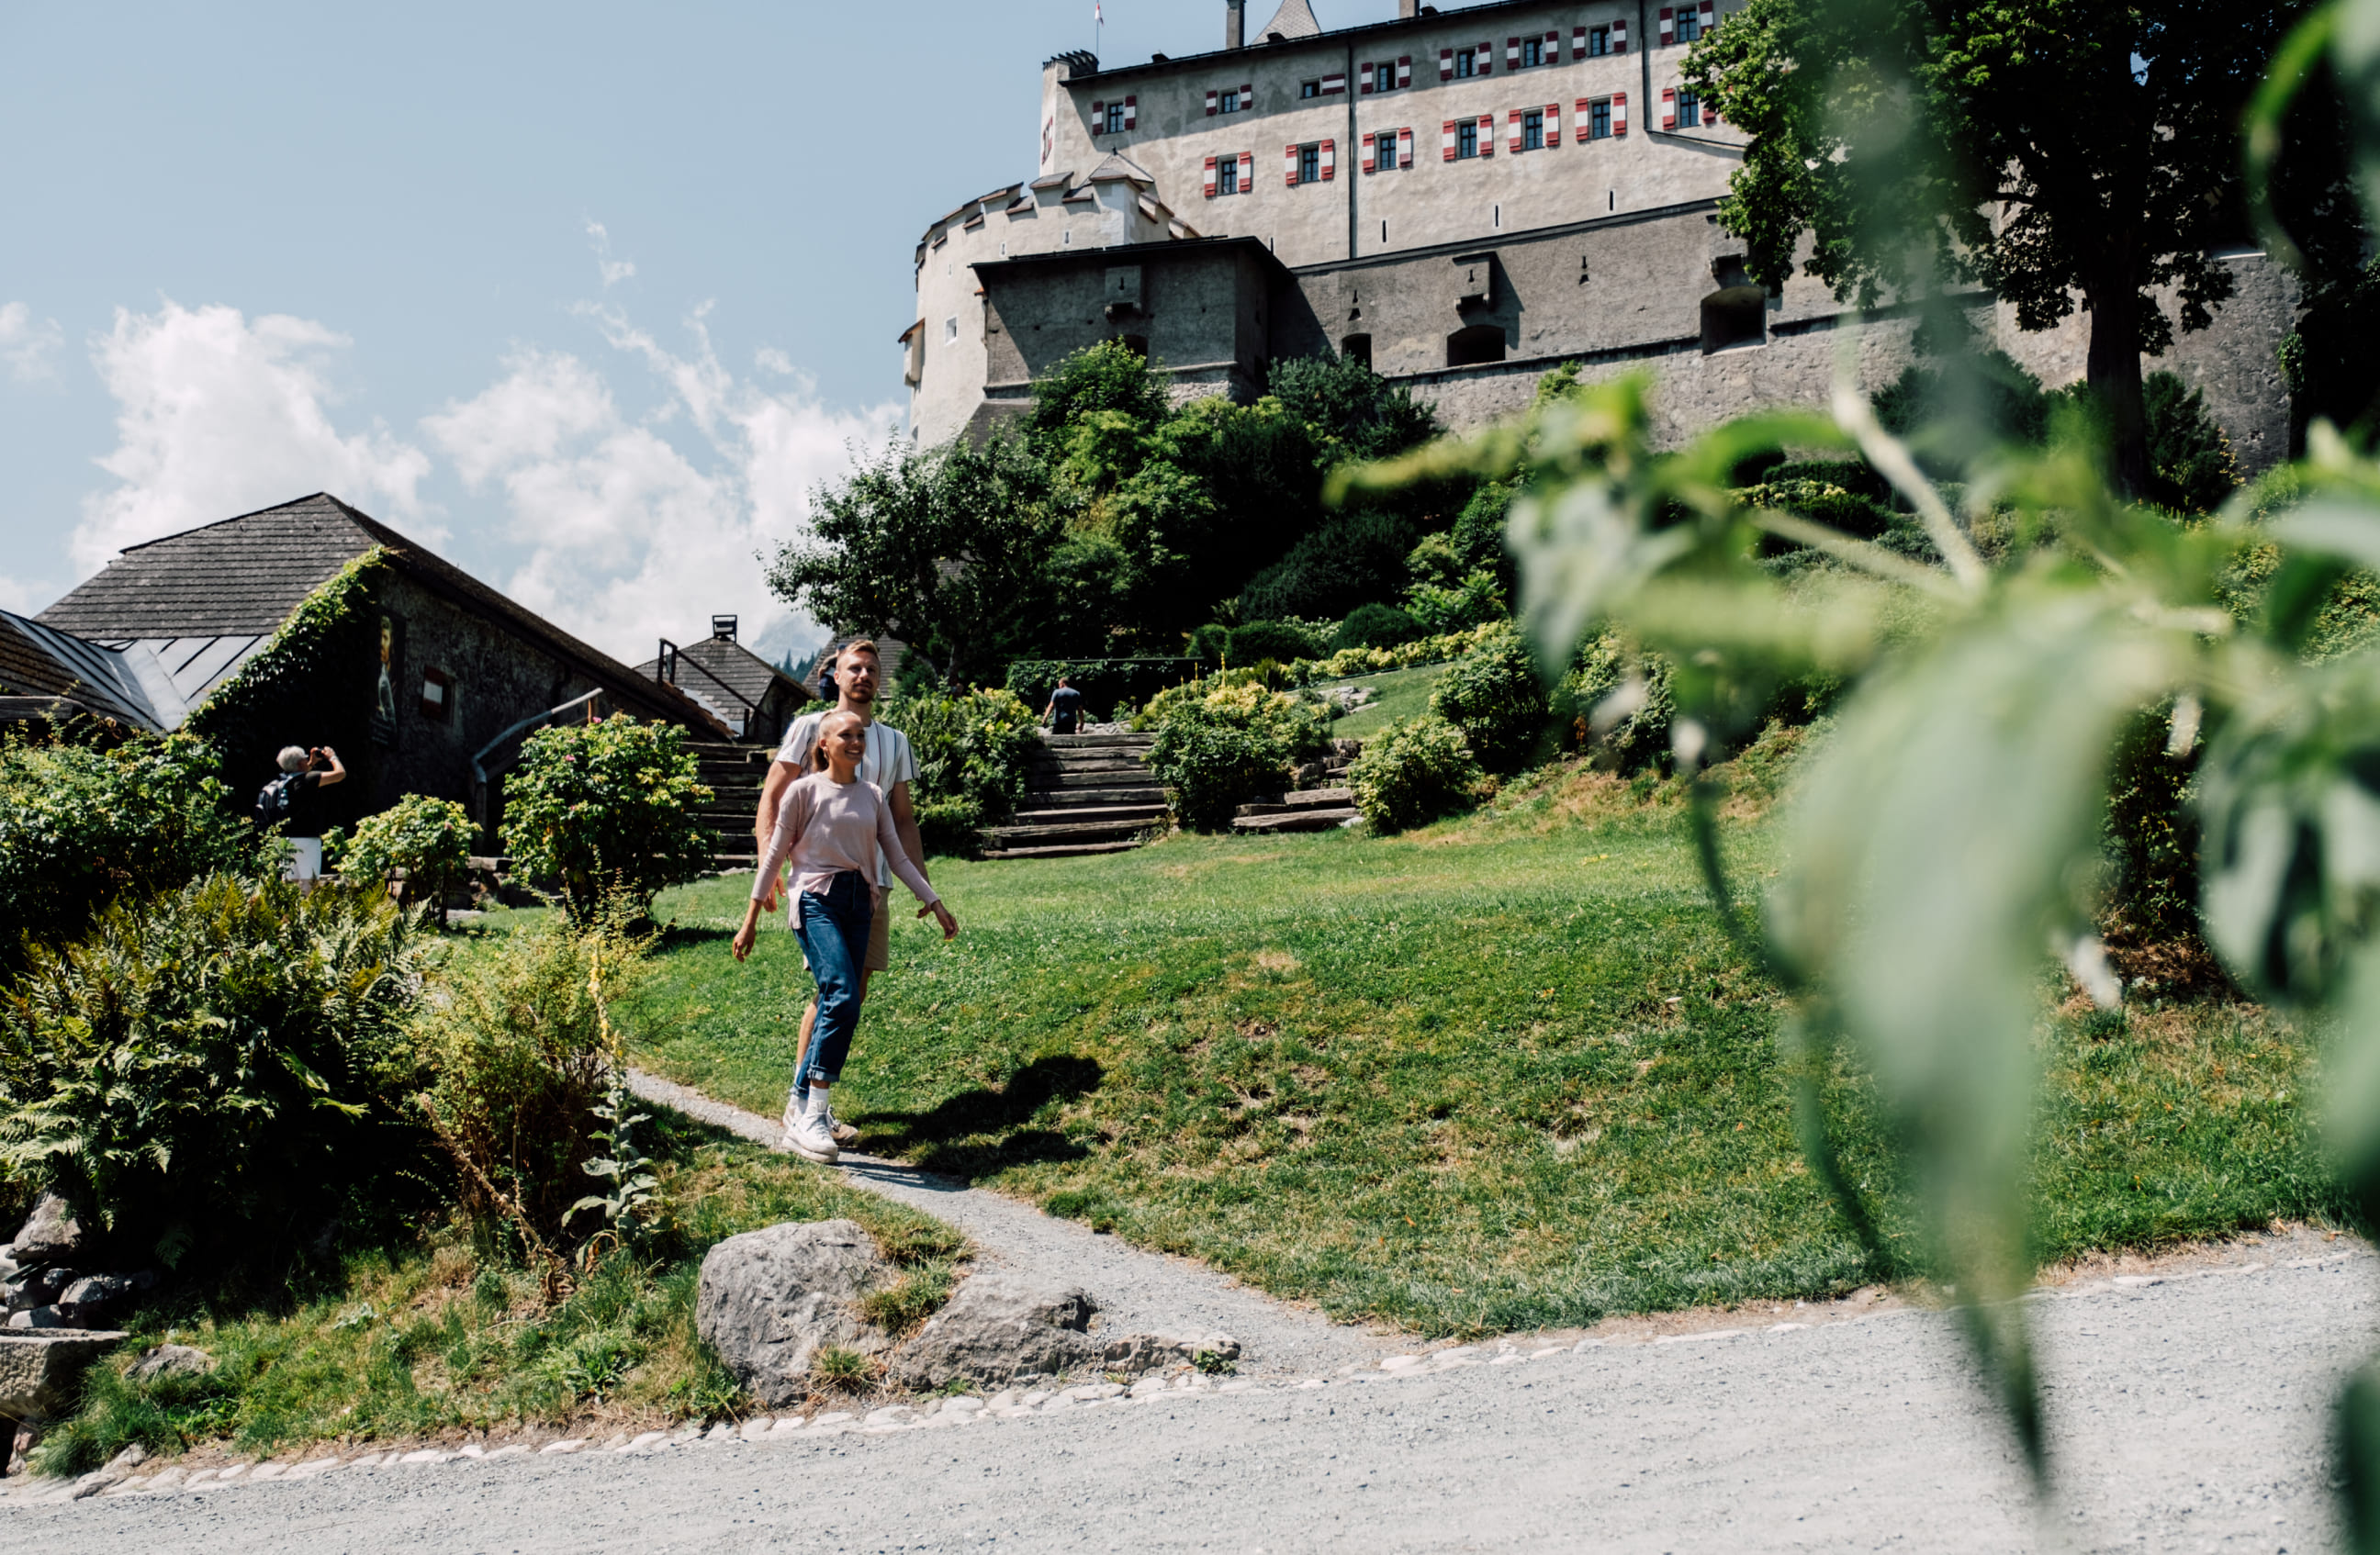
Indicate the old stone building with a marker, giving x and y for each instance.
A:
(1466, 197)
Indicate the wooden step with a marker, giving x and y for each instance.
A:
(1062, 850)
(1297, 820)
(1099, 741)
(1101, 778)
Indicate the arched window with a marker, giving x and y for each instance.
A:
(1356, 348)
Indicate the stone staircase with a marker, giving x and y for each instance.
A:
(734, 774)
(1085, 793)
(1320, 802)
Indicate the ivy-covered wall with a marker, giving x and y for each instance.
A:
(315, 682)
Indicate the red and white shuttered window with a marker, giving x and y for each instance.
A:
(1230, 100)
(1455, 64)
(1668, 107)
(1381, 75)
(1115, 118)
(1404, 71)
(1709, 14)
(1523, 54)
(1619, 36)
(1316, 161)
(1532, 130)
(1464, 138)
(1669, 20)
(1228, 175)
(1597, 118)
(1553, 125)
(1387, 150)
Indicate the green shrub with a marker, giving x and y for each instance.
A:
(2190, 465)
(1413, 772)
(2150, 835)
(225, 1059)
(428, 839)
(1625, 698)
(1376, 626)
(79, 826)
(600, 808)
(1493, 695)
(1223, 741)
(1449, 592)
(972, 750)
(519, 1059)
(1209, 643)
(1280, 639)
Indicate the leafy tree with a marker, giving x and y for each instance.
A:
(428, 840)
(2016, 143)
(1352, 560)
(1107, 378)
(606, 810)
(1350, 411)
(949, 549)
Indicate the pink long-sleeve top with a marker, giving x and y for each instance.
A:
(825, 827)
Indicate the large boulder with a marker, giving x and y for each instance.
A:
(94, 1300)
(161, 1361)
(51, 1235)
(998, 1327)
(39, 1372)
(768, 1300)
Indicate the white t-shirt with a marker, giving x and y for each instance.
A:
(888, 761)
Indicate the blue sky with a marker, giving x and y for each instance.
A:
(586, 296)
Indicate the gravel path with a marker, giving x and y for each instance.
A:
(2189, 1413)
(1138, 1292)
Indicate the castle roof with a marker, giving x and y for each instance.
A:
(1298, 26)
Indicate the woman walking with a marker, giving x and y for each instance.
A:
(830, 825)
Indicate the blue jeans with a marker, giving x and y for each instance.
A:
(833, 928)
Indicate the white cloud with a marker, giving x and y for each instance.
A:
(23, 599)
(25, 344)
(218, 415)
(613, 270)
(634, 536)
(769, 359)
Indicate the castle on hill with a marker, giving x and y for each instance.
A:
(1465, 197)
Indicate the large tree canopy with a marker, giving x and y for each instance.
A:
(2045, 148)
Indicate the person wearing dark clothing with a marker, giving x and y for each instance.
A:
(294, 801)
(1064, 714)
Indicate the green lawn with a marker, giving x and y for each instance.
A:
(1499, 1073)
(1401, 693)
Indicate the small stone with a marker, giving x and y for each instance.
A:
(1507, 1358)
(426, 1455)
(644, 1442)
(721, 1432)
(274, 1471)
(201, 1477)
(1149, 1385)
(756, 1428)
(373, 1460)
(1548, 1350)
(1399, 1363)
(1584, 1345)
(517, 1449)
(39, 1317)
(470, 1449)
(1237, 1385)
(2135, 1281)
(1786, 1328)
(787, 1426)
(614, 1442)
(690, 1433)
(838, 1418)
(124, 1487)
(1035, 1399)
(571, 1444)
(313, 1466)
(132, 1457)
(171, 1360)
(892, 1415)
(166, 1479)
(1007, 1398)
(966, 1404)
(1697, 1338)
(234, 1471)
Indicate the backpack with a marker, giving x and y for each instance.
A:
(272, 802)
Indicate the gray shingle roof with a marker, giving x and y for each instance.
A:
(715, 672)
(241, 578)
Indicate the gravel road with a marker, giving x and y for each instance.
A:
(2189, 1414)
(1138, 1292)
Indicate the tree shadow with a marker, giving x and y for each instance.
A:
(675, 935)
(979, 1132)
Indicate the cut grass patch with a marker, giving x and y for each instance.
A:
(1492, 1075)
(435, 1339)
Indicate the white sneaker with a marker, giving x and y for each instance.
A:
(843, 1133)
(809, 1130)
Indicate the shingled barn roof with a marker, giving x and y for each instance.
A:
(716, 671)
(208, 597)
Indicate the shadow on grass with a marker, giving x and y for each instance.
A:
(977, 1133)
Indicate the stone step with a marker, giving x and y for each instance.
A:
(1097, 742)
(1052, 833)
(1062, 850)
(1078, 814)
(1297, 820)
(1077, 761)
(1097, 777)
(1143, 793)
(1301, 799)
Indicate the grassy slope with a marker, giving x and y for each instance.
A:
(1500, 1073)
(1401, 693)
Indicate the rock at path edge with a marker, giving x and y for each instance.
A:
(768, 1300)
(171, 1360)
